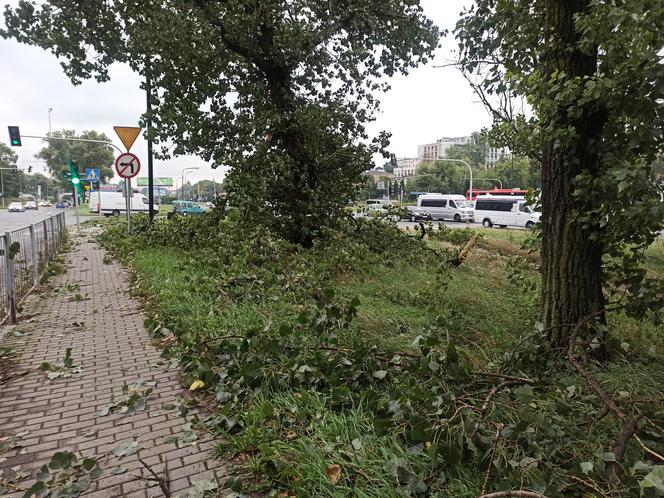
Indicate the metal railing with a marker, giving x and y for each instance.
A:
(24, 255)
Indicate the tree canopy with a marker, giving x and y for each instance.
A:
(58, 153)
(279, 90)
(592, 73)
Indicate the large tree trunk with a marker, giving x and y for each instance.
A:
(571, 258)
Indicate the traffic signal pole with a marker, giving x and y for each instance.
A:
(78, 224)
(111, 144)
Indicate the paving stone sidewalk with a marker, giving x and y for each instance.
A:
(105, 331)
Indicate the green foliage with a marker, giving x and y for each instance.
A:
(278, 91)
(134, 399)
(65, 476)
(596, 133)
(364, 362)
(64, 369)
(58, 153)
(518, 172)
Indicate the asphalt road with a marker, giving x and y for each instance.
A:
(14, 221)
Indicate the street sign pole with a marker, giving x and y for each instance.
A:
(128, 202)
(148, 92)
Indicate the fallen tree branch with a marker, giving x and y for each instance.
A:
(514, 493)
(487, 400)
(582, 482)
(463, 253)
(628, 422)
(496, 437)
(524, 380)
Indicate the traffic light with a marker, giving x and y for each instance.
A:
(29, 169)
(393, 160)
(14, 168)
(14, 136)
(74, 173)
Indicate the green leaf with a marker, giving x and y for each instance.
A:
(38, 489)
(379, 374)
(524, 393)
(252, 370)
(127, 449)
(586, 467)
(89, 463)
(62, 460)
(652, 485)
(609, 456)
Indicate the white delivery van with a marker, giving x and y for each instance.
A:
(113, 203)
(446, 207)
(505, 211)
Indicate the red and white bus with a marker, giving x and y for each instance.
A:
(496, 191)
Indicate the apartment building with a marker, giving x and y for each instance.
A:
(495, 154)
(436, 150)
(406, 167)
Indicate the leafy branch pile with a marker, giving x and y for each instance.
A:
(319, 395)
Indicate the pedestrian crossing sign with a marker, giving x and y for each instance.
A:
(92, 174)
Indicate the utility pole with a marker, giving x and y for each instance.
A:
(148, 92)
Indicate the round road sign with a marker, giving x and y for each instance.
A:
(127, 165)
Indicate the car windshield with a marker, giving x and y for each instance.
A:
(464, 204)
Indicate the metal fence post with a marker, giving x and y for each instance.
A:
(47, 240)
(11, 283)
(33, 250)
(56, 236)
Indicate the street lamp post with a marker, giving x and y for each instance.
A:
(182, 179)
(469, 170)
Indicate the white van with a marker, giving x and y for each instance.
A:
(446, 207)
(113, 203)
(505, 211)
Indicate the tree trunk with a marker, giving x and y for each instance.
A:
(571, 257)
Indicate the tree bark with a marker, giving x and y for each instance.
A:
(571, 257)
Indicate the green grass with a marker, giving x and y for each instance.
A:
(385, 437)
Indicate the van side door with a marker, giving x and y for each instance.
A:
(436, 207)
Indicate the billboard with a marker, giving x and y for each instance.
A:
(158, 182)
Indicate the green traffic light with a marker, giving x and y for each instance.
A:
(75, 181)
(15, 142)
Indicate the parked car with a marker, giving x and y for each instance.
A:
(186, 208)
(45, 204)
(414, 213)
(505, 211)
(59, 205)
(446, 207)
(15, 207)
(31, 205)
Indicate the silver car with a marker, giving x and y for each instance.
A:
(16, 207)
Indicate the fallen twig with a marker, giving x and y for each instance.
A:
(496, 437)
(628, 422)
(524, 380)
(164, 485)
(487, 400)
(648, 450)
(583, 482)
(515, 493)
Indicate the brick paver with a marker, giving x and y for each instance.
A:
(105, 331)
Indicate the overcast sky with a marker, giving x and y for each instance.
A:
(425, 105)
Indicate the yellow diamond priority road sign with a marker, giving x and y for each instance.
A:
(127, 134)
